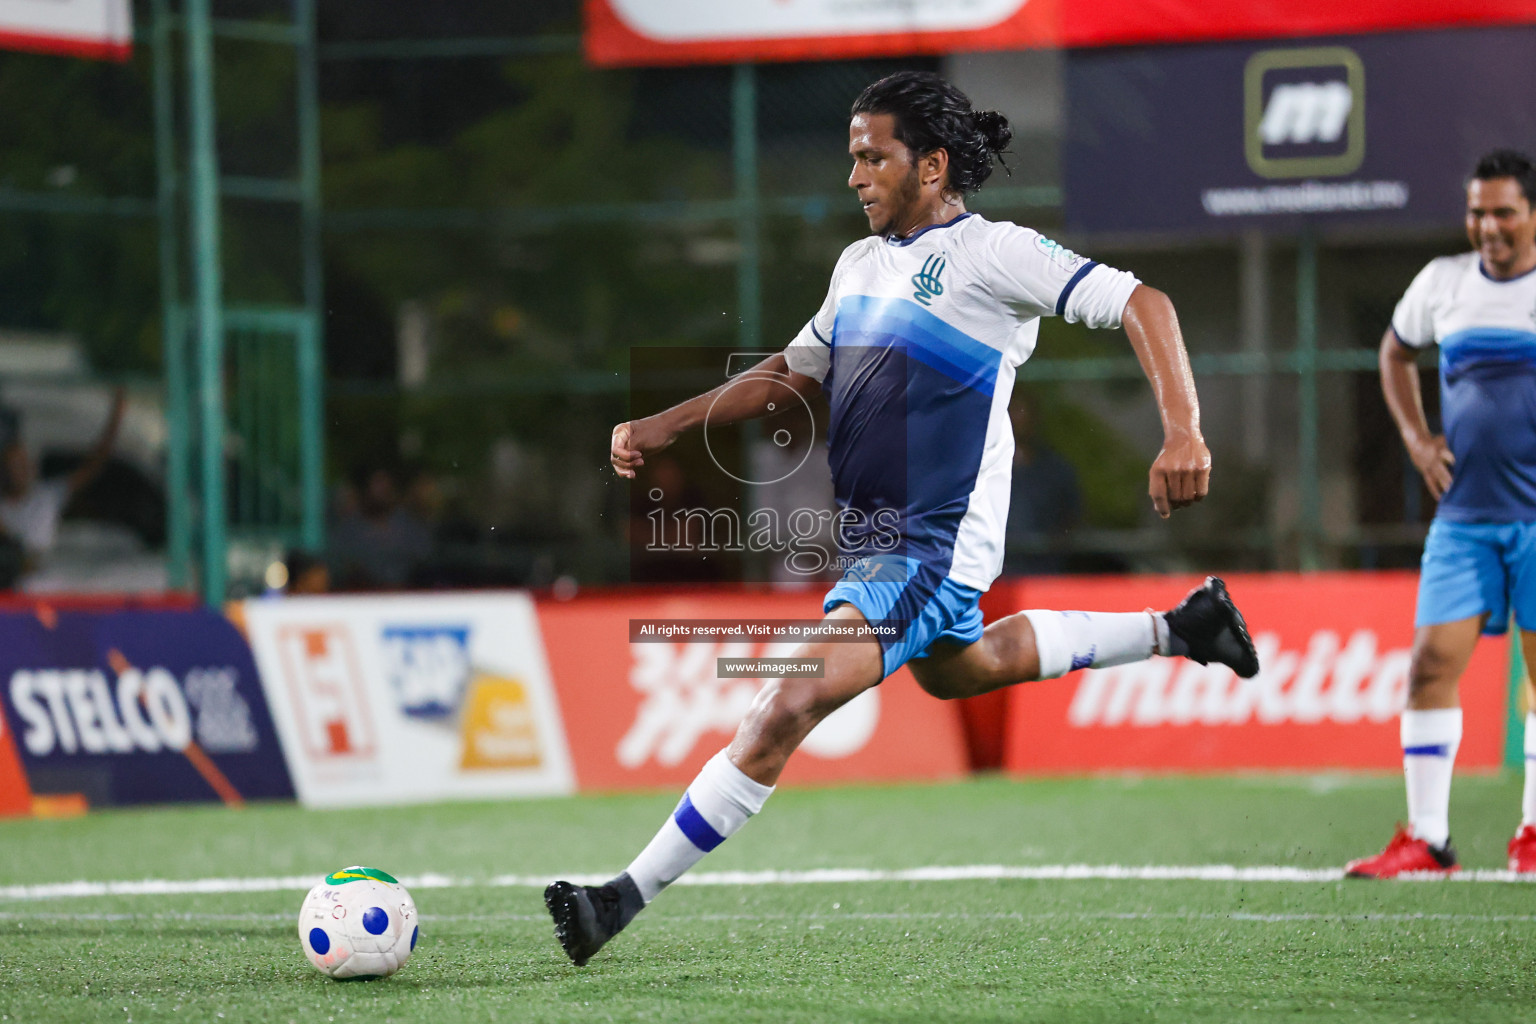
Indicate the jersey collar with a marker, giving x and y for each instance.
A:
(1481, 269)
(914, 236)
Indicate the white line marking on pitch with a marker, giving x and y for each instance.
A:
(965, 873)
(822, 918)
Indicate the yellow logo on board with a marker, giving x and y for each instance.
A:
(500, 730)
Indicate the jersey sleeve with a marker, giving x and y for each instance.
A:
(1413, 319)
(810, 352)
(1035, 276)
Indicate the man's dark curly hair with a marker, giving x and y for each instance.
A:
(1508, 163)
(932, 114)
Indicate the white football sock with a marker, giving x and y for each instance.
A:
(1528, 802)
(1066, 641)
(1430, 739)
(717, 803)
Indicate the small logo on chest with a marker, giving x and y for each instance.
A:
(927, 282)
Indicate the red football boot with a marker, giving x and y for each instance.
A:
(1522, 850)
(1406, 855)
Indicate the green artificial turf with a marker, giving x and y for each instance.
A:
(1091, 950)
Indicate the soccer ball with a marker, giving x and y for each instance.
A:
(358, 923)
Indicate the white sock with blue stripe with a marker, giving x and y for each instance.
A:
(716, 804)
(1528, 802)
(1067, 641)
(1430, 739)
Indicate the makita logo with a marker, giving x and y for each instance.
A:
(683, 702)
(1306, 112)
(1333, 680)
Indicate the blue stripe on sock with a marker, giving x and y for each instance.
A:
(699, 832)
(1428, 750)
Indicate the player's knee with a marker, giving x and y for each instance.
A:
(944, 686)
(792, 706)
(1430, 669)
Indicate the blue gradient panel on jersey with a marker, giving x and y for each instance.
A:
(1484, 348)
(1488, 409)
(864, 320)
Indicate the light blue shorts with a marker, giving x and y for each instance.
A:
(1472, 568)
(919, 601)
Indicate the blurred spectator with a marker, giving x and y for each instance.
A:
(30, 509)
(1045, 502)
(307, 573)
(663, 546)
(378, 543)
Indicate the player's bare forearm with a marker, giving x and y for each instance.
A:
(749, 395)
(1153, 327)
(1400, 387)
(1181, 473)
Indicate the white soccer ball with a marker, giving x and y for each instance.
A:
(358, 923)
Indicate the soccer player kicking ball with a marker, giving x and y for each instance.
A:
(1479, 560)
(916, 347)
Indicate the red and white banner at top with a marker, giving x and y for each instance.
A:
(647, 32)
(99, 29)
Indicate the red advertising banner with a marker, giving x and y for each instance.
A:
(645, 715)
(97, 29)
(655, 32)
(1334, 650)
(15, 794)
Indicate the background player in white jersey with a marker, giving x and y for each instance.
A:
(1479, 561)
(915, 348)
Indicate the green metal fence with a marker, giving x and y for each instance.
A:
(251, 407)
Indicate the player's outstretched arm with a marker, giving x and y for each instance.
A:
(102, 451)
(746, 396)
(1400, 386)
(1181, 473)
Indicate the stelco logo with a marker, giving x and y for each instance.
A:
(72, 710)
(1304, 112)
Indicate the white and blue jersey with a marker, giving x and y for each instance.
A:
(1486, 330)
(916, 347)
(1478, 556)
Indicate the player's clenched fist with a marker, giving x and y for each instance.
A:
(634, 440)
(1181, 475)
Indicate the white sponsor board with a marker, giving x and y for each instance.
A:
(700, 20)
(406, 698)
(86, 28)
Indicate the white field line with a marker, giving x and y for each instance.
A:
(818, 919)
(964, 873)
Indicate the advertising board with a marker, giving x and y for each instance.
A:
(1364, 130)
(650, 714)
(101, 29)
(412, 697)
(136, 706)
(639, 32)
(1334, 653)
